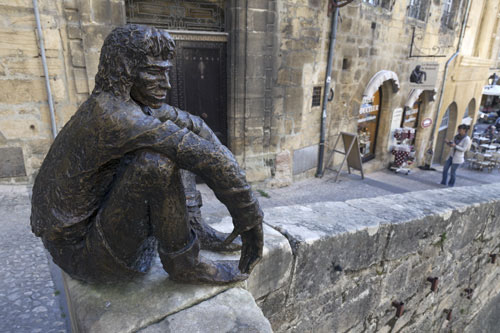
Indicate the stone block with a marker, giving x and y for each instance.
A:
(92, 66)
(129, 307)
(12, 162)
(77, 56)
(273, 303)
(256, 42)
(273, 272)
(81, 81)
(283, 170)
(23, 91)
(72, 16)
(258, 20)
(94, 35)
(74, 31)
(231, 311)
(100, 11)
(324, 236)
(33, 66)
(256, 87)
(58, 89)
(118, 15)
(70, 4)
(258, 4)
(305, 159)
(299, 59)
(52, 39)
(18, 43)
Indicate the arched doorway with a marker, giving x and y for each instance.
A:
(446, 131)
(198, 75)
(373, 107)
(470, 112)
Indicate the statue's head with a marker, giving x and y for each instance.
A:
(135, 62)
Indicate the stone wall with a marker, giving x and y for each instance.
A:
(369, 39)
(334, 267)
(24, 121)
(277, 55)
(353, 259)
(73, 32)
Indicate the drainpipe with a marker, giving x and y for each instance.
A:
(440, 103)
(45, 69)
(331, 51)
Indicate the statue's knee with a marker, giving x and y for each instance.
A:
(150, 165)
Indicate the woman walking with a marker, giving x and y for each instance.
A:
(460, 144)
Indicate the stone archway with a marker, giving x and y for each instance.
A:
(376, 110)
(470, 112)
(446, 131)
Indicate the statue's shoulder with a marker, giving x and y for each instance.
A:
(111, 105)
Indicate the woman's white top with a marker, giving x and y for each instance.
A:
(459, 150)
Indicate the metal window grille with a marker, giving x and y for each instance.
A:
(205, 15)
(445, 121)
(416, 9)
(447, 12)
(382, 3)
(316, 97)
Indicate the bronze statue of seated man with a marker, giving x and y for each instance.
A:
(109, 192)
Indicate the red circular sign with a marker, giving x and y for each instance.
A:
(426, 122)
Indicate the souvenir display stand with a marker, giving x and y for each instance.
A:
(403, 152)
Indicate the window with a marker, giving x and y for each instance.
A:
(316, 97)
(418, 9)
(450, 10)
(381, 3)
(445, 121)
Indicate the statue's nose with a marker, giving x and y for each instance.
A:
(166, 82)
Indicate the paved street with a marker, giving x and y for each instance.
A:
(31, 302)
(28, 299)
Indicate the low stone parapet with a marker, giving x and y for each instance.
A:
(154, 303)
(356, 261)
(364, 265)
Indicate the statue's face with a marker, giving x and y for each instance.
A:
(152, 82)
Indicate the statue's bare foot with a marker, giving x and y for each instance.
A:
(211, 239)
(187, 265)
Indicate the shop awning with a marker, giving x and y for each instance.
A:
(415, 94)
(378, 79)
(491, 90)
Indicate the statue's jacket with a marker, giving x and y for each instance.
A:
(83, 160)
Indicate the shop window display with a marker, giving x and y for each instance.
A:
(411, 116)
(367, 125)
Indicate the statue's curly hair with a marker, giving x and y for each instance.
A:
(123, 51)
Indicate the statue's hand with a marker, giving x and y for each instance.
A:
(251, 249)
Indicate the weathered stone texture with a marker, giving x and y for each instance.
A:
(353, 259)
(232, 311)
(25, 119)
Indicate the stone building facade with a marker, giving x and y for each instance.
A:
(257, 69)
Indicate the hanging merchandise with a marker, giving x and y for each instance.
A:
(404, 153)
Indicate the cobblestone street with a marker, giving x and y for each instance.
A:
(28, 299)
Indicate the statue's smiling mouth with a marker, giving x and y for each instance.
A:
(159, 94)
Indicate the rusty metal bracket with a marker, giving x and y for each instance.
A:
(434, 283)
(399, 308)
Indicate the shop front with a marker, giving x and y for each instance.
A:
(411, 114)
(370, 126)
